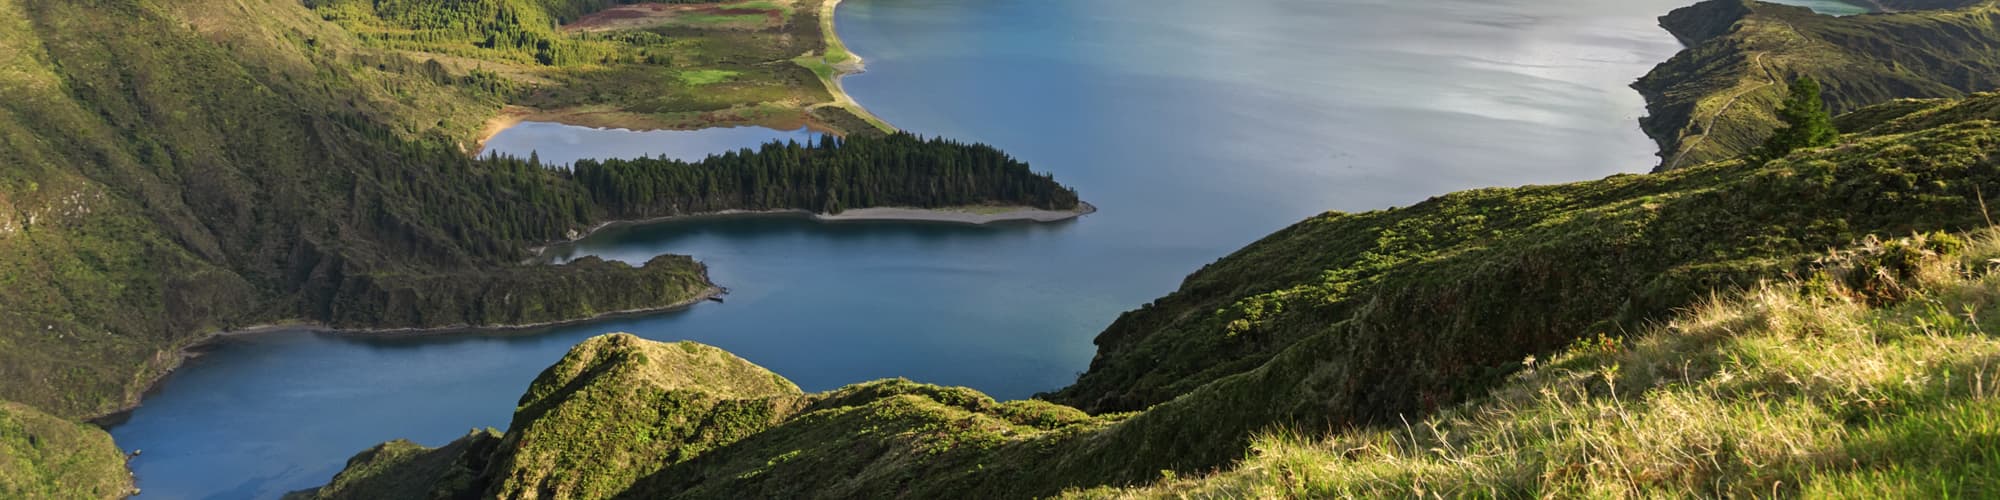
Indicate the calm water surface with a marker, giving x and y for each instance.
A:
(561, 144)
(1197, 126)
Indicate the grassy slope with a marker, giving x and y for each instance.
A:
(172, 168)
(625, 417)
(613, 410)
(1714, 100)
(42, 456)
(1460, 260)
(1354, 320)
(1797, 388)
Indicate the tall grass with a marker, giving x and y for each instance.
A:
(1874, 377)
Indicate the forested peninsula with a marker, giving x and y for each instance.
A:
(171, 170)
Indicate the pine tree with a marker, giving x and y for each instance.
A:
(1807, 124)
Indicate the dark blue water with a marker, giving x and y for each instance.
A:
(562, 144)
(1196, 126)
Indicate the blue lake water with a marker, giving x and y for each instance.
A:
(561, 144)
(1196, 126)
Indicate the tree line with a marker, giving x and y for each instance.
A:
(515, 30)
(828, 176)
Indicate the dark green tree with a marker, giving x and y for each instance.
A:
(1807, 124)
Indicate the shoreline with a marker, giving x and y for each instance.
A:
(192, 350)
(511, 115)
(954, 215)
(852, 64)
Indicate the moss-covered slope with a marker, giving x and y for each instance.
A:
(42, 456)
(1713, 101)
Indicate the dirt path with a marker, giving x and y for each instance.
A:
(1708, 127)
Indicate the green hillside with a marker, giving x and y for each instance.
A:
(169, 169)
(1714, 100)
(42, 456)
(1366, 321)
(1819, 389)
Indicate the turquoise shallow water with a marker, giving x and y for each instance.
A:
(1196, 126)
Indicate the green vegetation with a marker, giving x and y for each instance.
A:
(618, 408)
(706, 76)
(630, 418)
(896, 170)
(390, 470)
(1817, 388)
(1307, 352)
(529, 295)
(1714, 101)
(681, 64)
(1806, 124)
(42, 456)
(170, 169)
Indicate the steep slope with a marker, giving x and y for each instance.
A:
(42, 456)
(1448, 275)
(1821, 389)
(174, 168)
(1713, 101)
(1359, 320)
(615, 409)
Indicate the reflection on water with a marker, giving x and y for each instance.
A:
(560, 144)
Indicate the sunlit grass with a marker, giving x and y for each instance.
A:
(1796, 388)
(706, 76)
